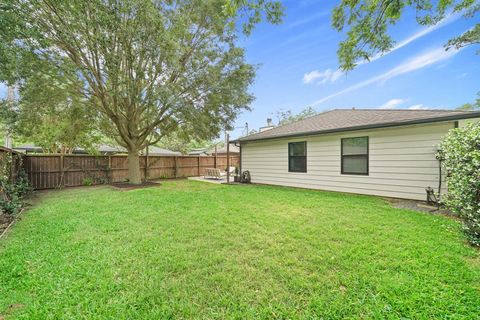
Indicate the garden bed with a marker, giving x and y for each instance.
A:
(5, 221)
(129, 186)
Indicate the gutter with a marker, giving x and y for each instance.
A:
(368, 126)
(239, 146)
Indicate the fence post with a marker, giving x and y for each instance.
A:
(176, 167)
(62, 170)
(198, 166)
(215, 158)
(110, 172)
(12, 167)
(228, 158)
(146, 165)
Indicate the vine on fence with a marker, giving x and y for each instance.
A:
(13, 187)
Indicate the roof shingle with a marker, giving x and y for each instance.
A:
(351, 119)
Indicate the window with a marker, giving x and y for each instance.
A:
(297, 156)
(355, 155)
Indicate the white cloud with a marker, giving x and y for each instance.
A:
(311, 76)
(322, 77)
(414, 37)
(421, 61)
(309, 19)
(418, 107)
(392, 104)
(307, 78)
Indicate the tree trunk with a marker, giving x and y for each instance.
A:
(134, 176)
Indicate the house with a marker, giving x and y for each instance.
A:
(376, 152)
(28, 148)
(105, 149)
(220, 151)
(269, 125)
(152, 151)
(102, 149)
(198, 152)
(156, 151)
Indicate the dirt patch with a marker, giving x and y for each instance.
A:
(5, 220)
(417, 206)
(11, 309)
(128, 186)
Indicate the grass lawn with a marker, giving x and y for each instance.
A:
(198, 250)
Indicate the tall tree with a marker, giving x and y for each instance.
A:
(149, 68)
(183, 143)
(367, 22)
(51, 112)
(471, 106)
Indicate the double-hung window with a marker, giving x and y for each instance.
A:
(297, 156)
(355, 156)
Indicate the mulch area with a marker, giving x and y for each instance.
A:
(5, 220)
(128, 186)
(417, 206)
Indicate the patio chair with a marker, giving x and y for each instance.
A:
(212, 173)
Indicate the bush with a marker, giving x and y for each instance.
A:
(460, 152)
(87, 181)
(12, 194)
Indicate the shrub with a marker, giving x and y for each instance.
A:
(12, 194)
(460, 152)
(87, 181)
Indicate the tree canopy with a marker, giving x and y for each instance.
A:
(367, 22)
(285, 117)
(471, 106)
(181, 143)
(51, 112)
(147, 68)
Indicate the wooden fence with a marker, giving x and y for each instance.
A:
(52, 171)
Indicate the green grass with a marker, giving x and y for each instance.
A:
(197, 250)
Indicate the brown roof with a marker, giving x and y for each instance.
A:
(233, 148)
(355, 119)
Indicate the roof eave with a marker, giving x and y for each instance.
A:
(474, 114)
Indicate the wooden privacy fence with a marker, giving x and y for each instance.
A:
(52, 171)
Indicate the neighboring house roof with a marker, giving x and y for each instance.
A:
(28, 148)
(104, 148)
(156, 151)
(198, 152)
(210, 151)
(233, 149)
(356, 119)
(152, 150)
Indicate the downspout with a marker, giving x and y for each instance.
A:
(439, 183)
(239, 146)
(440, 159)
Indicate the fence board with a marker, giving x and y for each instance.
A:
(53, 171)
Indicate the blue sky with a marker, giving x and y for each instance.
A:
(297, 67)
